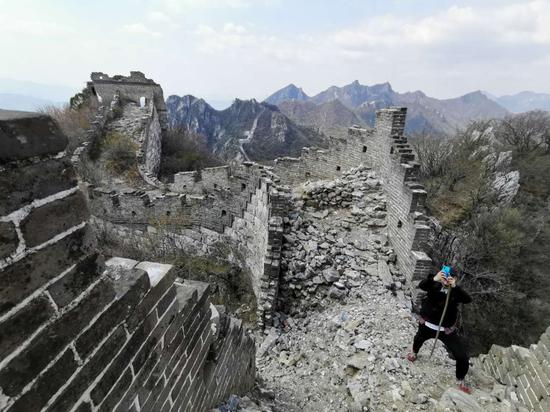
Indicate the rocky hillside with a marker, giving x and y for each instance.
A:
(424, 112)
(247, 130)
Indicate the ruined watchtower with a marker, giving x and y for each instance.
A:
(134, 88)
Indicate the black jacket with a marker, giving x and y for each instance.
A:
(434, 302)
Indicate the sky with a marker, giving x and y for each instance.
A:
(222, 49)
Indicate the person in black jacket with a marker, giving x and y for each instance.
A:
(431, 311)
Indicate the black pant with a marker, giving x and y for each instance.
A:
(454, 344)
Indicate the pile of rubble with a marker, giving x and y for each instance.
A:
(349, 353)
(335, 239)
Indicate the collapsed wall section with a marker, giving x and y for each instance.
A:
(79, 334)
(386, 150)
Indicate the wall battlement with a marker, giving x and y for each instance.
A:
(240, 204)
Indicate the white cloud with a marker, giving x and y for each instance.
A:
(230, 37)
(158, 17)
(509, 25)
(140, 28)
(235, 39)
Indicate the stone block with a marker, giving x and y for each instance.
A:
(26, 134)
(47, 385)
(44, 348)
(153, 339)
(140, 379)
(53, 218)
(123, 359)
(115, 314)
(156, 271)
(66, 289)
(150, 300)
(19, 280)
(166, 300)
(108, 405)
(93, 367)
(8, 239)
(21, 185)
(84, 407)
(121, 262)
(20, 326)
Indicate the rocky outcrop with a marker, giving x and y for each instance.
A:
(247, 130)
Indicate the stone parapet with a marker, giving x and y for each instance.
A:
(526, 371)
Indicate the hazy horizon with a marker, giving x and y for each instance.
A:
(224, 49)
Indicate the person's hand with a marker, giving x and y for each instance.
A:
(439, 277)
(451, 281)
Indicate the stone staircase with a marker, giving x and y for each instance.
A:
(525, 372)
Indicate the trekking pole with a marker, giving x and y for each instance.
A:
(441, 320)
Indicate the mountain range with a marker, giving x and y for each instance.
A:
(523, 101)
(246, 130)
(358, 103)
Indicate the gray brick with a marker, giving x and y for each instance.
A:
(29, 363)
(70, 286)
(19, 327)
(25, 276)
(8, 239)
(89, 372)
(47, 385)
(25, 134)
(53, 218)
(21, 185)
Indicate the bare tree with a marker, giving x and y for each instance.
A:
(526, 132)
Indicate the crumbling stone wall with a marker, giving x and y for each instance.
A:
(386, 150)
(80, 334)
(318, 164)
(111, 94)
(244, 212)
(394, 160)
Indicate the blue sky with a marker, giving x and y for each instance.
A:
(220, 49)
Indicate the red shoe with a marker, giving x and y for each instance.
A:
(462, 387)
(411, 356)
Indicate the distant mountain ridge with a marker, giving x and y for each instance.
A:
(13, 101)
(523, 101)
(288, 93)
(424, 112)
(31, 96)
(246, 130)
